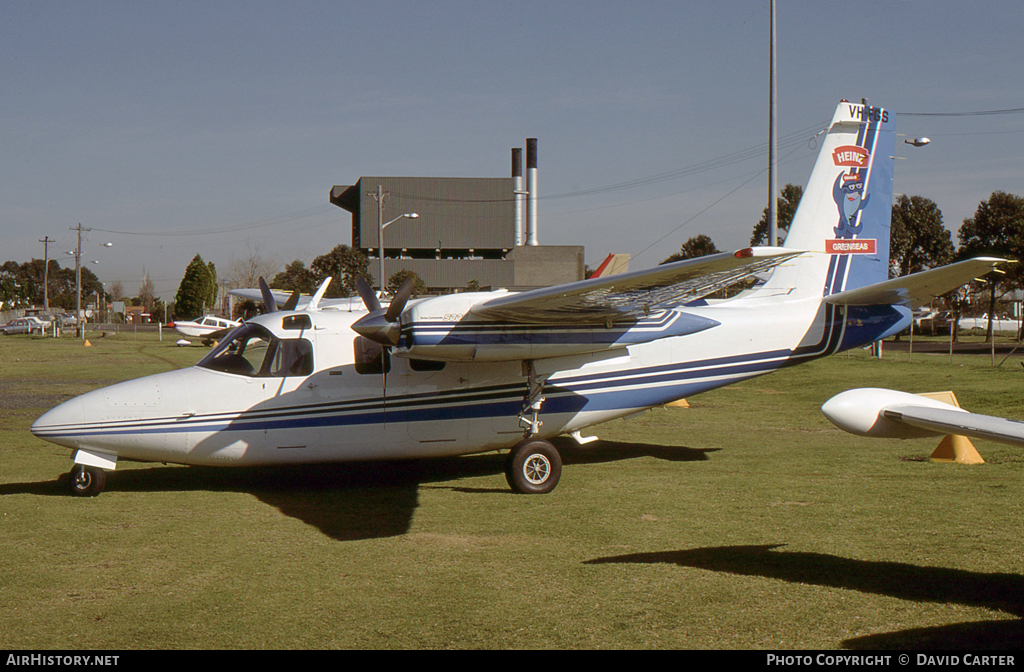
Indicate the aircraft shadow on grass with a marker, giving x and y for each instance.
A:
(1003, 592)
(352, 501)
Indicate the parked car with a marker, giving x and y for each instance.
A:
(24, 325)
(935, 323)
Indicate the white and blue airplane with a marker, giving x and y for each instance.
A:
(488, 371)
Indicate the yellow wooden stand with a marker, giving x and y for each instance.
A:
(953, 447)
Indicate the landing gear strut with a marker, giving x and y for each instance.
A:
(87, 481)
(534, 465)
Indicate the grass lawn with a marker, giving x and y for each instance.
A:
(744, 521)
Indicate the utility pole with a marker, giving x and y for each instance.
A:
(773, 158)
(46, 273)
(79, 318)
(379, 197)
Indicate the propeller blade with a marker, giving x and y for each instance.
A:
(400, 299)
(292, 301)
(268, 296)
(366, 293)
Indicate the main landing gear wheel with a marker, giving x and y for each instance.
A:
(87, 481)
(533, 467)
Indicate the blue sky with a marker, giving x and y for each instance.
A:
(219, 127)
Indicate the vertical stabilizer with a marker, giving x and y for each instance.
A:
(844, 215)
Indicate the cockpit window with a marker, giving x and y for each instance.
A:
(251, 350)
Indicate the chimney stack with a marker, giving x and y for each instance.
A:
(531, 186)
(517, 191)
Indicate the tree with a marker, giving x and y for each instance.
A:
(786, 204)
(116, 291)
(396, 280)
(197, 291)
(247, 271)
(24, 283)
(698, 246)
(918, 240)
(295, 276)
(12, 292)
(146, 298)
(997, 229)
(344, 264)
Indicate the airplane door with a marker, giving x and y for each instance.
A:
(437, 422)
(290, 393)
(356, 421)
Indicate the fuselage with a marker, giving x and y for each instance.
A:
(204, 326)
(303, 387)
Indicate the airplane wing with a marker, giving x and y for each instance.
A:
(632, 295)
(918, 289)
(891, 414)
(255, 294)
(304, 302)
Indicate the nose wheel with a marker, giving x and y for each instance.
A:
(87, 481)
(533, 467)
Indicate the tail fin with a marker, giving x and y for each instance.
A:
(612, 265)
(844, 214)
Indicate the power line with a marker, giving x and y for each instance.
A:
(727, 195)
(981, 113)
(794, 138)
(257, 224)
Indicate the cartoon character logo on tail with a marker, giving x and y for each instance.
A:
(848, 193)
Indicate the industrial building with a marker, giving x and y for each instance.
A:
(458, 232)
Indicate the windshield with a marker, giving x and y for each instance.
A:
(251, 350)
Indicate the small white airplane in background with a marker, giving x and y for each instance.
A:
(204, 326)
(484, 371)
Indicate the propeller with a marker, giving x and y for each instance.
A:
(271, 303)
(383, 326)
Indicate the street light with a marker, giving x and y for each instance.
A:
(380, 243)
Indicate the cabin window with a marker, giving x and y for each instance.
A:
(297, 322)
(371, 357)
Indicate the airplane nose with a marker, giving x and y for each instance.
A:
(57, 424)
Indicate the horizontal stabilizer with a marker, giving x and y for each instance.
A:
(917, 289)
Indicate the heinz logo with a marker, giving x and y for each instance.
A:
(850, 156)
(847, 246)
